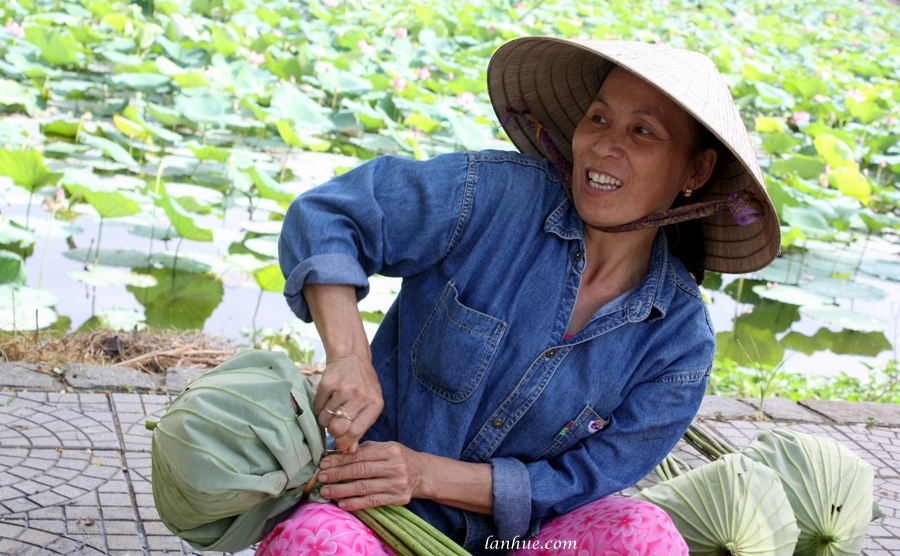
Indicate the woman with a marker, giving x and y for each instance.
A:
(549, 345)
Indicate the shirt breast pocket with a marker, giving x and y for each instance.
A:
(455, 347)
(586, 424)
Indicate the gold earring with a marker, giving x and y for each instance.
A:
(687, 192)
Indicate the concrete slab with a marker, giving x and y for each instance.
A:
(94, 377)
(856, 412)
(26, 376)
(179, 377)
(783, 409)
(719, 407)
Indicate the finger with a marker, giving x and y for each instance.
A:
(347, 436)
(365, 493)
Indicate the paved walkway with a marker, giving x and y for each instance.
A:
(75, 464)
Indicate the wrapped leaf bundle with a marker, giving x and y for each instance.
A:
(828, 486)
(731, 506)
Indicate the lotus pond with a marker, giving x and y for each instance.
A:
(149, 150)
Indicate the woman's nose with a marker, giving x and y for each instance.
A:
(608, 143)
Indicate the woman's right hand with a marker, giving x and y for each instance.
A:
(349, 382)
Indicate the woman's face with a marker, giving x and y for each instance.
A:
(633, 153)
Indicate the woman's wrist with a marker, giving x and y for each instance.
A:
(460, 484)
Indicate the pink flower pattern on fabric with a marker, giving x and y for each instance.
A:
(322, 530)
(611, 526)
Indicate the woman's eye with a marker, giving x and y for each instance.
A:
(643, 130)
(599, 119)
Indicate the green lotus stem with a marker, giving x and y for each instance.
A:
(46, 248)
(414, 534)
(99, 235)
(383, 532)
(402, 531)
(429, 529)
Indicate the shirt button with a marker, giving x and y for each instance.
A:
(550, 353)
(497, 423)
(578, 256)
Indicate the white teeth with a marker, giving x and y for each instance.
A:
(598, 181)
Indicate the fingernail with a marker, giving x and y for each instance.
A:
(326, 492)
(323, 477)
(325, 464)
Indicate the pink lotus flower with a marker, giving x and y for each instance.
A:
(401, 33)
(491, 27)
(800, 118)
(366, 48)
(450, 76)
(748, 52)
(824, 75)
(855, 42)
(808, 28)
(820, 98)
(867, 12)
(293, 79)
(15, 29)
(256, 58)
(331, 3)
(277, 32)
(465, 100)
(832, 16)
(834, 52)
(890, 120)
(399, 84)
(423, 73)
(520, 5)
(857, 96)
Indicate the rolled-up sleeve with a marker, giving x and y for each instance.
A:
(391, 216)
(512, 497)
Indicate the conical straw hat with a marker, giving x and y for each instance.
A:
(558, 79)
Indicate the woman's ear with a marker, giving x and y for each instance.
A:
(704, 163)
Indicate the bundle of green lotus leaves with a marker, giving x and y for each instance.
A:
(786, 493)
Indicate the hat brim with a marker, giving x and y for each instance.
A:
(557, 80)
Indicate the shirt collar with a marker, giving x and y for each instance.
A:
(653, 295)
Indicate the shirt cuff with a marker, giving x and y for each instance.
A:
(512, 497)
(323, 269)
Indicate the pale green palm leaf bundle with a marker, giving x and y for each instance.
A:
(731, 506)
(828, 486)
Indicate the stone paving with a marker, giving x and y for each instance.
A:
(75, 465)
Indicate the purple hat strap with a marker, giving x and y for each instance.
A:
(744, 207)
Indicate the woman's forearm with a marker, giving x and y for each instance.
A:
(460, 484)
(337, 319)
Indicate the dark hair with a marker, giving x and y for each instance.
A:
(686, 239)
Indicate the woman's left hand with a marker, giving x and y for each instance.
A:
(379, 473)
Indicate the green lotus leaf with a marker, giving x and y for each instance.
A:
(210, 153)
(26, 318)
(107, 277)
(809, 220)
(162, 233)
(292, 137)
(119, 319)
(182, 300)
(731, 506)
(780, 143)
(146, 82)
(266, 246)
(127, 258)
(792, 295)
(749, 346)
(56, 48)
(15, 234)
(26, 168)
(845, 342)
(207, 108)
(270, 278)
(769, 125)
(265, 227)
(61, 127)
(267, 186)
(844, 318)
(850, 181)
(775, 95)
(111, 149)
(187, 262)
(107, 203)
(843, 289)
(804, 166)
(183, 221)
(828, 486)
(11, 296)
(245, 262)
(867, 111)
(836, 152)
(290, 104)
(12, 268)
(15, 94)
(806, 87)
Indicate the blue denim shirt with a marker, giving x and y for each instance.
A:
(472, 356)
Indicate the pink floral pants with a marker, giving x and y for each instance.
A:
(611, 526)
